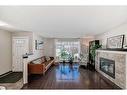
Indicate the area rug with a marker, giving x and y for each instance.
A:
(12, 77)
(13, 86)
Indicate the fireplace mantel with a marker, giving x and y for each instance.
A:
(111, 51)
(120, 59)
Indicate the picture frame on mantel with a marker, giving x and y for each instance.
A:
(115, 42)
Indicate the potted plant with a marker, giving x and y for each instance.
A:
(63, 54)
(93, 50)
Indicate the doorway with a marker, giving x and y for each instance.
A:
(20, 47)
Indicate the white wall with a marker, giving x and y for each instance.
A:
(84, 47)
(120, 30)
(37, 53)
(49, 47)
(5, 52)
(85, 41)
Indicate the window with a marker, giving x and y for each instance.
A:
(65, 49)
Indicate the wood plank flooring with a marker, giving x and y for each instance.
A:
(65, 76)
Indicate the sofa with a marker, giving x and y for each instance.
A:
(40, 65)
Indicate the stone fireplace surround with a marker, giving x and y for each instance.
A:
(120, 58)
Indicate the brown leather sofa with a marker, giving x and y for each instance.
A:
(40, 65)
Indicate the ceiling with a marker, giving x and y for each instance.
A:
(63, 21)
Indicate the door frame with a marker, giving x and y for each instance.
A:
(20, 37)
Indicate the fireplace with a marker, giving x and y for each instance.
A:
(107, 66)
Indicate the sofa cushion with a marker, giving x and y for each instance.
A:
(38, 61)
(47, 58)
(43, 59)
(48, 62)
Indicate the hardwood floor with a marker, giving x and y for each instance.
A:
(69, 77)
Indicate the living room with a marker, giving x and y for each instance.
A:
(54, 47)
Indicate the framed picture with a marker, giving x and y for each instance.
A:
(38, 44)
(115, 42)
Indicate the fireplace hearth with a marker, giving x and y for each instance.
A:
(107, 66)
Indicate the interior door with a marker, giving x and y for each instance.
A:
(20, 47)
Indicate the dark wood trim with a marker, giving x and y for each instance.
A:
(124, 50)
(123, 41)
